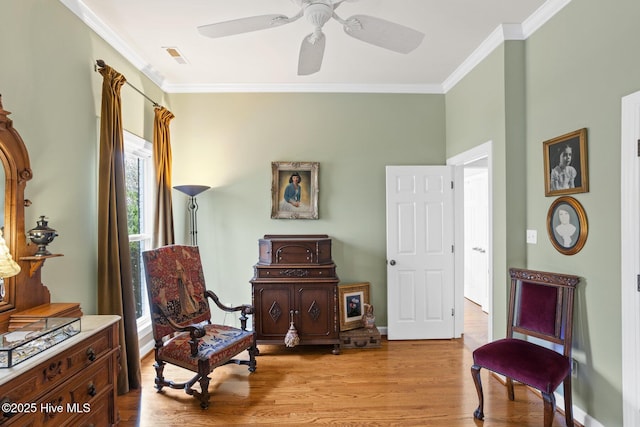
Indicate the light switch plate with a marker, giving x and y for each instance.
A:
(532, 236)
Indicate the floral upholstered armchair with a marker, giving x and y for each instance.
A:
(181, 321)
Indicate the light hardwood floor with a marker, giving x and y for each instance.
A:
(403, 383)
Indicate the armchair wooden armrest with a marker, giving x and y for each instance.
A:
(195, 331)
(244, 309)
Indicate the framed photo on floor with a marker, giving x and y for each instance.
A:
(352, 298)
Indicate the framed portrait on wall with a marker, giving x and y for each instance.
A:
(294, 190)
(567, 225)
(565, 164)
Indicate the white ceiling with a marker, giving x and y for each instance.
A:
(458, 34)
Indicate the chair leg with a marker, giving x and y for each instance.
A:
(510, 392)
(203, 396)
(159, 381)
(253, 352)
(479, 412)
(549, 408)
(203, 379)
(568, 401)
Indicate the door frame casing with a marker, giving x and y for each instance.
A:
(459, 161)
(630, 258)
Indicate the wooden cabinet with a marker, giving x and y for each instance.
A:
(70, 384)
(295, 279)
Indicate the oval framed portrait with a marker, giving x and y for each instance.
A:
(567, 225)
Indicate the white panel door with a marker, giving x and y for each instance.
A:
(476, 237)
(420, 282)
(630, 263)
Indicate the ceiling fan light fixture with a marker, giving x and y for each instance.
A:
(318, 12)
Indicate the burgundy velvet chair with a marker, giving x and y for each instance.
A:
(537, 349)
(181, 321)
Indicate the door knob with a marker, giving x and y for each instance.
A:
(392, 262)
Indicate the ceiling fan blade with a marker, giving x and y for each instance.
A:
(383, 33)
(311, 53)
(243, 25)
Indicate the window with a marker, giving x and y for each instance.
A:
(139, 178)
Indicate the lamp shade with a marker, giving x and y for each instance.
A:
(192, 190)
(8, 267)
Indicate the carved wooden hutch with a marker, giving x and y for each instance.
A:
(25, 295)
(78, 374)
(295, 280)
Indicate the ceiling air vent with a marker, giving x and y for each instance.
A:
(175, 54)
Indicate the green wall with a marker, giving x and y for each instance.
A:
(228, 141)
(487, 105)
(579, 66)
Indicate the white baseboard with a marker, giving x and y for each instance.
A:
(578, 414)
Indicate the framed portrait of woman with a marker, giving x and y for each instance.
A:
(294, 190)
(567, 225)
(565, 164)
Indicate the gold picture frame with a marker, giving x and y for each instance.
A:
(291, 200)
(352, 298)
(567, 225)
(565, 164)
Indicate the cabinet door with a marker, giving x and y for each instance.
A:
(316, 305)
(272, 303)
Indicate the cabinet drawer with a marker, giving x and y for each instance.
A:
(77, 396)
(90, 351)
(97, 417)
(95, 381)
(291, 272)
(47, 375)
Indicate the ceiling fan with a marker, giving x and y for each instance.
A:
(376, 31)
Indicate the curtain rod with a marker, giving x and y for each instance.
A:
(101, 63)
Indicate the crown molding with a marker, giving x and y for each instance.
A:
(304, 88)
(540, 17)
(495, 39)
(90, 19)
(502, 33)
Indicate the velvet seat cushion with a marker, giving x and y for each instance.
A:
(220, 344)
(523, 361)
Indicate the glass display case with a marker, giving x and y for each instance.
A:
(21, 344)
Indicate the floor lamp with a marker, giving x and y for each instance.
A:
(192, 191)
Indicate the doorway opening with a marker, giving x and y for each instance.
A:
(476, 268)
(473, 231)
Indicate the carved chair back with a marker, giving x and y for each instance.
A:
(176, 287)
(541, 306)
